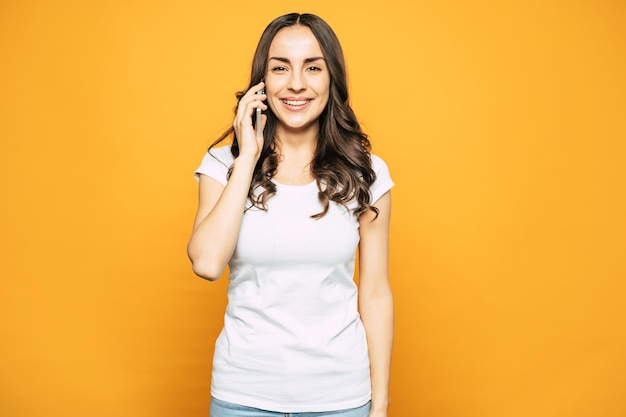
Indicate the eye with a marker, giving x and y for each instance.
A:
(277, 69)
(314, 68)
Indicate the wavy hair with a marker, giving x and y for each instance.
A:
(342, 164)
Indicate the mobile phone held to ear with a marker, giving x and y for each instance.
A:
(258, 127)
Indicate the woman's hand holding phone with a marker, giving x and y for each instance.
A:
(249, 134)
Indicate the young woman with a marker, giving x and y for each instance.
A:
(286, 209)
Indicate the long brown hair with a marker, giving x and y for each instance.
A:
(342, 165)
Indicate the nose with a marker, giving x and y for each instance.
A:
(297, 82)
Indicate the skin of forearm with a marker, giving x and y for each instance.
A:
(213, 241)
(377, 316)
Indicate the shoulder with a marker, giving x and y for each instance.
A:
(383, 181)
(222, 154)
(378, 164)
(216, 163)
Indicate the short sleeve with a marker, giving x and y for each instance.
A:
(383, 181)
(215, 164)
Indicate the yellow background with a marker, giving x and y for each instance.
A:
(503, 124)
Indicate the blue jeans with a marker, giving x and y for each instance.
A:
(221, 408)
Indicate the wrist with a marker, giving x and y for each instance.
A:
(245, 163)
(379, 408)
(380, 404)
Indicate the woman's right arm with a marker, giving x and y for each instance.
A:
(221, 208)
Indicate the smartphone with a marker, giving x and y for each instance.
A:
(258, 127)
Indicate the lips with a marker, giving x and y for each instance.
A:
(296, 103)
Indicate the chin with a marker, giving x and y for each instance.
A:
(304, 124)
(299, 122)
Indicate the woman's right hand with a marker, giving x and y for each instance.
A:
(250, 146)
(221, 207)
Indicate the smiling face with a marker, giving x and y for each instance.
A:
(297, 80)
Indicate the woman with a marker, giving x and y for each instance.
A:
(286, 210)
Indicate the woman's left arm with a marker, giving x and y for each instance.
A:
(375, 299)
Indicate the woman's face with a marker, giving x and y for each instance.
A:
(297, 80)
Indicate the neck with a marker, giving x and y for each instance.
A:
(296, 154)
(297, 141)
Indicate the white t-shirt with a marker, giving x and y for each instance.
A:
(293, 340)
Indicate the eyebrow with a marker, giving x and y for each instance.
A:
(306, 60)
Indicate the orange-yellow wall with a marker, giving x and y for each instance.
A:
(504, 127)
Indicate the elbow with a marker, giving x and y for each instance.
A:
(205, 266)
(206, 271)
(381, 298)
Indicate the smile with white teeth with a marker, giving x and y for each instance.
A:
(295, 102)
